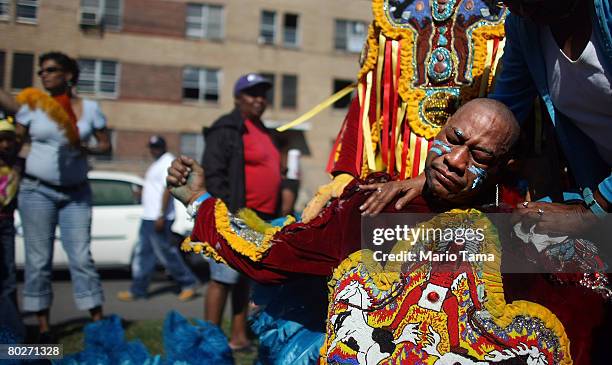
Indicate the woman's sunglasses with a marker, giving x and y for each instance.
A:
(48, 70)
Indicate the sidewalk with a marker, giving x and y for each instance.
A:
(163, 298)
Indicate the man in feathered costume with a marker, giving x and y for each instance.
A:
(422, 61)
(424, 311)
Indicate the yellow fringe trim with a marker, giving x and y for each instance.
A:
(380, 19)
(480, 36)
(38, 99)
(203, 248)
(370, 59)
(239, 244)
(495, 303)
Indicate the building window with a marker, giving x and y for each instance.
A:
(290, 30)
(350, 35)
(27, 11)
(204, 21)
(270, 94)
(201, 84)
(98, 77)
(192, 145)
(4, 9)
(21, 75)
(267, 31)
(346, 100)
(96, 12)
(289, 96)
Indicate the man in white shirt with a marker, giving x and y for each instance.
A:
(155, 235)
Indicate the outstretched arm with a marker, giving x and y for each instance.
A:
(264, 253)
(186, 180)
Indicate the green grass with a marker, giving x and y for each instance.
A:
(149, 332)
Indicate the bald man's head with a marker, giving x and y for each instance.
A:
(473, 144)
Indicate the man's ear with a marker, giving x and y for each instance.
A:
(512, 165)
(503, 169)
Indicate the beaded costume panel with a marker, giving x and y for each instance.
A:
(425, 314)
(423, 59)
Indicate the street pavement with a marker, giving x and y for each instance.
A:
(162, 298)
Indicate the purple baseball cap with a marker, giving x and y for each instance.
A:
(249, 80)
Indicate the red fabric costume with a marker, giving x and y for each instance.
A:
(318, 247)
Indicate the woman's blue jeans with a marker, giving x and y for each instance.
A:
(42, 208)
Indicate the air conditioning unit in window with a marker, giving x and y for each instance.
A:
(360, 28)
(90, 19)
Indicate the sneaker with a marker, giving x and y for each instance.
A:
(126, 296)
(186, 294)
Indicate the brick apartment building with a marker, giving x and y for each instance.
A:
(168, 66)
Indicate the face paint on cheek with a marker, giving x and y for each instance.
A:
(442, 145)
(436, 150)
(480, 176)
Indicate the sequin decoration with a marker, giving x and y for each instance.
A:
(524, 324)
(440, 65)
(401, 12)
(437, 107)
(436, 312)
(445, 46)
(443, 9)
(241, 229)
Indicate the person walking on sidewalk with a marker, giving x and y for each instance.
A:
(155, 234)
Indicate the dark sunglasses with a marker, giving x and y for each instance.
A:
(48, 70)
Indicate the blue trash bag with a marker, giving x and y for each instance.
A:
(10, 319)
(291, 323)
(284, 342)
(9, 337)
(105, 345)
(202, 343)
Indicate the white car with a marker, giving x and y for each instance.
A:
(115, 221)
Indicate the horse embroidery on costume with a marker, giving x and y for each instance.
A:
(430, 314)
(371, 344)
